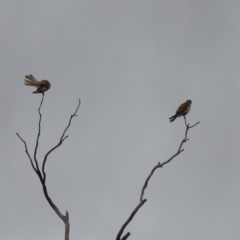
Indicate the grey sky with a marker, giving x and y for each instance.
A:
(131, 63)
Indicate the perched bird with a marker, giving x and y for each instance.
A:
(182, 110)
(42, 86)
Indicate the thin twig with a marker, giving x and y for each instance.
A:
(26, 150)
(73, 115)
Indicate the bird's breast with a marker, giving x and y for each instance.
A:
(187, 110)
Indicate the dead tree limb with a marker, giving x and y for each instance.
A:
(159, 165)
(42, 175)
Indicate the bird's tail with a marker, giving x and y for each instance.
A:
(30, 80)
(171, 119)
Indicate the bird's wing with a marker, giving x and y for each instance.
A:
(44, 83)
(182, 107)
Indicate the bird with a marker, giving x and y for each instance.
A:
(42, 86)
(182, 110)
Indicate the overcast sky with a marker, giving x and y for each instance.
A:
(132, 63)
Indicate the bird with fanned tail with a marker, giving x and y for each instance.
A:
(42, 86)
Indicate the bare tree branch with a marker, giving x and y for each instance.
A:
(42, 176)
(63, 137)
(170, 159)
(148, 178)
(128, 221)
(26, 150)
(39, 132)
(159, 165)
(126, 236)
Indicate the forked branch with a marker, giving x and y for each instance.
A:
(63, 137)
(159, 165)
(42, 175)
